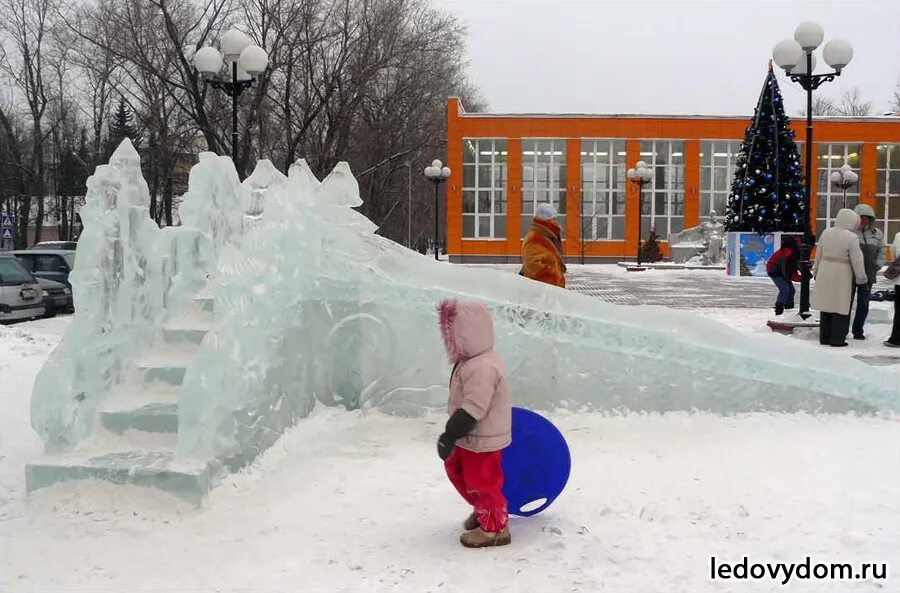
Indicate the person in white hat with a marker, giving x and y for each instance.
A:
(542, 251)
(871, 242)
(839, 265)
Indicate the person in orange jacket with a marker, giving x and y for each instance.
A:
(542, 252)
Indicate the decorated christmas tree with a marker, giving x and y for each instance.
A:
(767, 190)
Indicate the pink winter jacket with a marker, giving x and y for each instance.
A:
(478, 383)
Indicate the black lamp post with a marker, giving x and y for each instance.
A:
(437, 174)
(247, 61)
(796, 57)
(640, 175)
(843, 179)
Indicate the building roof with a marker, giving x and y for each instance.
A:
(886, 117)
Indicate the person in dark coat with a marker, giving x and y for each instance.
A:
(782, 268)
(871, 242)
(894, 340)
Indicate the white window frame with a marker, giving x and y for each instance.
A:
(671, 192)
(497, 193)
(833, 163)
(556, 194)
(604, 196)
(891, 174)
(711, 193)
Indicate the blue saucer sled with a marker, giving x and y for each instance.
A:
(536, 465)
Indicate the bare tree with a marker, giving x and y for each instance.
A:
(27, 25)
(852, 104)
(358, 80)
(895, 98)
(822, 106)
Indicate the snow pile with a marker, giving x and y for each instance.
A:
(359, 502)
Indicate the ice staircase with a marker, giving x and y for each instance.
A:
(137, 429)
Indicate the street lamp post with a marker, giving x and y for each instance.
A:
(247, 61)
(437, 174)
(843, 179)
(640, 175)
(408, 205)
(796, 57)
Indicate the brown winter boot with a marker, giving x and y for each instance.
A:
(482, 539)
(471, 522)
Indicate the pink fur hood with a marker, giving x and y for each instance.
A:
(467, 329)
(478, 383)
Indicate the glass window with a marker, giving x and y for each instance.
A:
(13, 273)
(49, 263)
(547, 158)
(718, 159)
(830, 199)
(484, 189)
(603, 189)
(887, 193)
(663, 199)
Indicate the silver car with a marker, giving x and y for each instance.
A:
(21, 297)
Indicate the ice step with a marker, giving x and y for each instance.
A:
(167, 365)
(204, 303)
(187, 479)
(177, 335)
(148, 417)
(169, 374)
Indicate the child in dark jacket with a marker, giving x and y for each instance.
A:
(782, 268)
(480, 424)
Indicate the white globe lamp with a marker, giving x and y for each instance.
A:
(208, 61)
(809, 35)
(787, 54)
(837, 54)
(233, 42)
(253, 60)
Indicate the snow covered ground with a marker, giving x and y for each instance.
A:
(359, 502)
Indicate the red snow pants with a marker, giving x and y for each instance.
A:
(478, 477)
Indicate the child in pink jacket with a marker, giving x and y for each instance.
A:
(480, 424)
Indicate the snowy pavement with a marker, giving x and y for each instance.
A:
(358, 502)
(679, 289)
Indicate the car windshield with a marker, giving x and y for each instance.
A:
(70, 259)
(12, 272)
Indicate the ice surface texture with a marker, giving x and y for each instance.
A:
(312, 306)
(315, 307)
(129, 278)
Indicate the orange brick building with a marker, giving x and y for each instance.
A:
(504, 165)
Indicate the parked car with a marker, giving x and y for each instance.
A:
(64, 245)
(21, 297)
(57, 297)
(50, 264)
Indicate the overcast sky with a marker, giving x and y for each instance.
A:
(664, 56)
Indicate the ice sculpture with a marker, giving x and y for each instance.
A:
(215, 201)
(315, 307)
(703, 244)
(129, 277)
(264, 176)
(312, 306)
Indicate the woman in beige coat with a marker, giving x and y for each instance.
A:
(839, 269)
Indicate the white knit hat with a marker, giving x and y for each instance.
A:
(545, 212)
